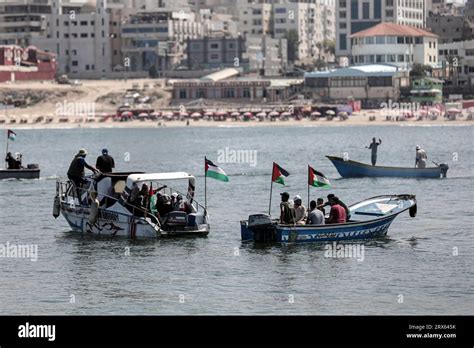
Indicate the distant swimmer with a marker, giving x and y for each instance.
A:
(76, 171)
(373, 146)
(421, 157)
(105, 163)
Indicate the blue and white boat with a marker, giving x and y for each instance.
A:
(353, 169)
(370, 219)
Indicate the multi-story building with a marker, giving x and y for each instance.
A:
(80, 40)
(267, 56)
(158, 39)
(357, 15)
(394, 44)
(215, 52)
(458, 60)
(22, 20)
(312, 21)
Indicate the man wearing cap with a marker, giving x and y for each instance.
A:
(300, 211)
(76, 171)
(287, 213)
(105, 163)
(421, 157)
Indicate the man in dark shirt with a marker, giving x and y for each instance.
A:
(76, 172)
(12, 162)
(287, 213)
(373, 146)
(105, 163)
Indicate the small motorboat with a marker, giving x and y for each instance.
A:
(353, 169)
(104, 208)
(370, 219)
(32, 171)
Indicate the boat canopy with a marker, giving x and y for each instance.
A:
(139, 178)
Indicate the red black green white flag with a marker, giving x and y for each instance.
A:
(278, 174)
(317, 179)
(11, 135)
(215, 172)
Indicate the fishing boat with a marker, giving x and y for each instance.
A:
(353, 169)
(369, 219)
(103, 207)
(32, 171)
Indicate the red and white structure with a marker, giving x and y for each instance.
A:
(26, 64)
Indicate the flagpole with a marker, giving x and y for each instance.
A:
(205, 184)
(308, 186)
(6, 164)
(270, 204)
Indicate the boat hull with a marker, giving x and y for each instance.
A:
(325, 233)
(352, 169)
(115, 224)
(19, 174)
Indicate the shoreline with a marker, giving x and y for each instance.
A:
(234, 124)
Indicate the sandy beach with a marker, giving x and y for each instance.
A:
(46, 100)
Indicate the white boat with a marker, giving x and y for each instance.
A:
(104, 208)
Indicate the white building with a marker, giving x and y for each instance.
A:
(267, 56)
(356, 15)
(459, 55)
(394, 44)
(80, 40)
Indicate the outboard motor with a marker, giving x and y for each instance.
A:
(176, 219)
(262, 227)
(444, 170)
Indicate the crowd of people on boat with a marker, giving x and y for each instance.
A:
(293, 212)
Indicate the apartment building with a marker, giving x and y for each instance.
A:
(458, 58)
(267, 56)
(357, 15)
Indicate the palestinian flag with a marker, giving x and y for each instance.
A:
(213, 171)
(11, 135)
(278, 174)
(317, 179)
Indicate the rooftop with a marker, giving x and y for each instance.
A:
(358, 70)
(392, 29)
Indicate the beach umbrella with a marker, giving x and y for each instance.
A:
(155, 114)
(262, 114)
(248, 114)
(274, 114)
(222, 113)
(286, 114)
(196, 115)
(183, 115)
(168, 115)
(330, 112)
(454, 111)
(235, 114)
(315, 114)
(127, 114)
(434, 111)
(342, 113)
(423, 112)
(143, 114)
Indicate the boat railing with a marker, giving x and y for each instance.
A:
(67, 189)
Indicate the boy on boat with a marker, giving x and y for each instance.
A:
(337, 215)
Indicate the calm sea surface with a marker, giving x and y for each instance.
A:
(221, 275)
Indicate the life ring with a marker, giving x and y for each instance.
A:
(413, 210)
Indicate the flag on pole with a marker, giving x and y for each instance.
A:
(11, 135)
(278, 174)
(215, 172)
(317, 179)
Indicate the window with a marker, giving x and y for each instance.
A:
(401, 57)
(342, 3)
(342, 14)
(354, 9)
(214, 56)
(380, 81)
(182, 94)
(200, 93)
(418, 40)
(366, 10)
(470, 52)
(280, 10)
(391, 40)
(391, 58)
(83, 35)
(369, 40)
(388, 3)
(83, 23)
(400, 40)
(342, 25)
(342, 42)
(75, 63)
(380, 40)
(389, 13)
(246, 93)
(380, 58)
(214, 45)
(378, 9)
(229, 93)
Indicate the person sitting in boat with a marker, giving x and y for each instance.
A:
(421, 157)
(300, 211)
(320, 205)
(76, 172)
(373, 146)
(315, 216)
(12, 162)
(105, 163)
(337, 215)
(287, 213)
(341, 203)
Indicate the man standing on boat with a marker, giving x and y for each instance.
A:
(421, 157)
(76, 172)
(287, 213)
(105, 163)
(373, 146)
